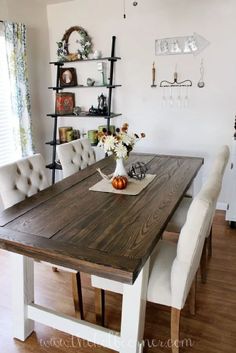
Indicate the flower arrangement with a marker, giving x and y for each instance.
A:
(119, 144)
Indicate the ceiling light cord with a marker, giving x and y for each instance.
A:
(135, 3)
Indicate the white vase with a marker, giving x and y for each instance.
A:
(120, 169)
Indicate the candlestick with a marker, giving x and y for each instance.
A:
(153, 75)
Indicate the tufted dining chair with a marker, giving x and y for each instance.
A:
(210, 191)
(75, 156)
(22, 179)
(173, 267)
(215, 178)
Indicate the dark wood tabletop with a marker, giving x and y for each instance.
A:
(106, 234)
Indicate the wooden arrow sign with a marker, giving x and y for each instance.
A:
(193, 44)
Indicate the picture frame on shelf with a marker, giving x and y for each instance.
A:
(65, 103)
(68, 77)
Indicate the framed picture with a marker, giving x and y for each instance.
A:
(65, 103)
(68, 77)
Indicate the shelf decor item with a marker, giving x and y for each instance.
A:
(102, 108)
(112, 128)
(90, 82)
(63, 133)
(65, 103)
(68, 77)
(97, 54)
(83, 42)
(119, 145)
(77, 110)
(93, 137)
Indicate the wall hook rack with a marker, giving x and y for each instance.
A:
(176, 83)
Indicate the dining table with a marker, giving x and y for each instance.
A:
(104, 234)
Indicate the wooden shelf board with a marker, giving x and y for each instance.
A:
(61, 63)
(83, 86)
(55, 115)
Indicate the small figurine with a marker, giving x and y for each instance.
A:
(93, 111)
(61, 51)
(90, 82)
(97, 54)
(102, 104)
(77, 110)
(102, 108)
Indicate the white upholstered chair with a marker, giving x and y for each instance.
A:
(215, 177)
(75, 155)
(23, 179)
(210, 191)
(173, 267)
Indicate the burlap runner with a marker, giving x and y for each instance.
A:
(134, 186)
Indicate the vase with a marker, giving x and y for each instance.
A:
(120, 169)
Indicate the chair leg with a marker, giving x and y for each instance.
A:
(192, 297)
(100, 306)
(77, 294)
(175, 320)
(210, 244)
(204, 263)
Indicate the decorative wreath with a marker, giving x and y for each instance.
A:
(85, 43)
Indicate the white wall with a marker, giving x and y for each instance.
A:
(208, 122)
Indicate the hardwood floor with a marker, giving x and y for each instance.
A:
(211, 330)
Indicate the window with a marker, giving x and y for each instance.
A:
(8, 150)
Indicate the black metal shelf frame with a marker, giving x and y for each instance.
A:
(57, 88)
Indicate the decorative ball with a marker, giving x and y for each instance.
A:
(120, 182)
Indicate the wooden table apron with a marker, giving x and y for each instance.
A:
(104, 234)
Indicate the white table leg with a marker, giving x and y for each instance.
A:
(133, 313)
(23, 294)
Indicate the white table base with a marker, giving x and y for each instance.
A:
(25, 312)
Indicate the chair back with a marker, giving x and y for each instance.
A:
(221, 161)
(189, 250)
(75, 155)
(212, 187)
(22, 179)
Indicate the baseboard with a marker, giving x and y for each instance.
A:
(222, 206)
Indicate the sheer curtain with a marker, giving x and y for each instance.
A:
(9, 151)
(15, 44)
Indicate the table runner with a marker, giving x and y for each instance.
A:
(133, 188)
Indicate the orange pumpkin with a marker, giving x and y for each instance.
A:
(120, 182)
